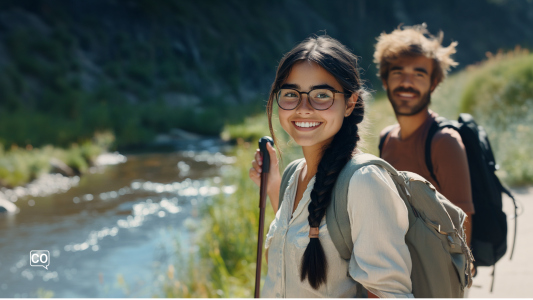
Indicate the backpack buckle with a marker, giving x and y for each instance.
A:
(450, 240)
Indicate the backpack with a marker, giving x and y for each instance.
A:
(489, 223)
(436, 241)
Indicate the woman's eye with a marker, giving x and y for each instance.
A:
(290, 95)
(322, 96)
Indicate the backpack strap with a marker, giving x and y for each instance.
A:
(287, 174)
(337, 216)
(508, 193)
(440, 123)
(382, 140)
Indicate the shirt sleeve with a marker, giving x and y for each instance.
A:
(450, 166)
(380, 260)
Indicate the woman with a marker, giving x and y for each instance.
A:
(320, 97)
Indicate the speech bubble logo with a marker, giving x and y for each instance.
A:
(40, 258)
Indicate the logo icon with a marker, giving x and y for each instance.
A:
(40, 258)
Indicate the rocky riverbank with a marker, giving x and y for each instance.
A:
(60, 180)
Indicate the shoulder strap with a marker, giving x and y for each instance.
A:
(337, 214)
(439, 124)
(382, 140)
(289, 170)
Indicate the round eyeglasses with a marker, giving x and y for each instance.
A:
(319, 99)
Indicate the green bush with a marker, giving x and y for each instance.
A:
(19, 166)
(499, 94)
(252, 129)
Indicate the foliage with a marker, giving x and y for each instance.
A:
(499, 94)
(19, 166)
(252, 129)
(224, 265)
(134, 70)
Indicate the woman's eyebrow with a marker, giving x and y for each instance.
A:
(322, 86)
(313, 87)
(290, 86)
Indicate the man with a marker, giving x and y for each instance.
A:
(411, 65)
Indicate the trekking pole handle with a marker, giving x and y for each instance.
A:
(264, 152)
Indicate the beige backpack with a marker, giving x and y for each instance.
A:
(436, 240)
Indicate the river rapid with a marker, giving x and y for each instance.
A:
(111, 233)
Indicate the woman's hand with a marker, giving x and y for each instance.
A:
(274, 178)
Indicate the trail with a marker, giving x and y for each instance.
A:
(514, 278)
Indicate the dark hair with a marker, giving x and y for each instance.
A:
(335, 58)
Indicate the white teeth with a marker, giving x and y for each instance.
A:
(307, 124)
(406, 95)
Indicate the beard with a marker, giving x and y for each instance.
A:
(401, 109)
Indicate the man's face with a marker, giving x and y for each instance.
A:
(409, 84)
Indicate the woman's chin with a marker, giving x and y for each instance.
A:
(307, 142)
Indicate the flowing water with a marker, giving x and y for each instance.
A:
(110, 233)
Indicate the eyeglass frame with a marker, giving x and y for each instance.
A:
(300, 97)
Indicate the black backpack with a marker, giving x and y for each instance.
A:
(489, 223)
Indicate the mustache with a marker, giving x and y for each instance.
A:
(407, 90)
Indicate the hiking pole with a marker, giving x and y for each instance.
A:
(265, 168)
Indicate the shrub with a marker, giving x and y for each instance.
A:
(499, 94)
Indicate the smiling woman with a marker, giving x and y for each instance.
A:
(320, 110)
(321, 103)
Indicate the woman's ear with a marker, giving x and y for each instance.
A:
(350, 104)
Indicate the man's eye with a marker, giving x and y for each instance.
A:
(420, 74)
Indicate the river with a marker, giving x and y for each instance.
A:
(112, 232)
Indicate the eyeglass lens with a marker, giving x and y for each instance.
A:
(321, 99)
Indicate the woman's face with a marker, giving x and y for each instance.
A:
(306, 125)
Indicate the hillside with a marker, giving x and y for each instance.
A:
(141, 67)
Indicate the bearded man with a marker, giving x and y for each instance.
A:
(412, 63)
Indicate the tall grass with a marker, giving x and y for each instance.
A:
(224, 263)
(19, 166)
(499, 94)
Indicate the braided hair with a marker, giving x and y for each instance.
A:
(335, 58)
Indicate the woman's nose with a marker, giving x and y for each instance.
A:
(304, 107)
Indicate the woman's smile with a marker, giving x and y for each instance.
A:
(306, 125)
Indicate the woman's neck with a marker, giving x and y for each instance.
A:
(313, 155)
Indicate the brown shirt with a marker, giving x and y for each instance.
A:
(448, 156)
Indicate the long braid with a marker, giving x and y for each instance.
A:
(338, 153)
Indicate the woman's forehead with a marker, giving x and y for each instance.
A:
(306, 74)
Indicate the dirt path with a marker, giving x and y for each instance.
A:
(514, 278)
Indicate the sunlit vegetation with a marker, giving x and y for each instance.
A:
(19, 166)
(499, 93)
(145, 67)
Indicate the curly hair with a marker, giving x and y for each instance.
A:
(335, 58)
(414, 41)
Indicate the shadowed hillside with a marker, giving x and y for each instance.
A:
(141, 67)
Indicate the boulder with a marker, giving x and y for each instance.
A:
(7, 206)
(57, 166)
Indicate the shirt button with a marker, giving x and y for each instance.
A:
(278, 295)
